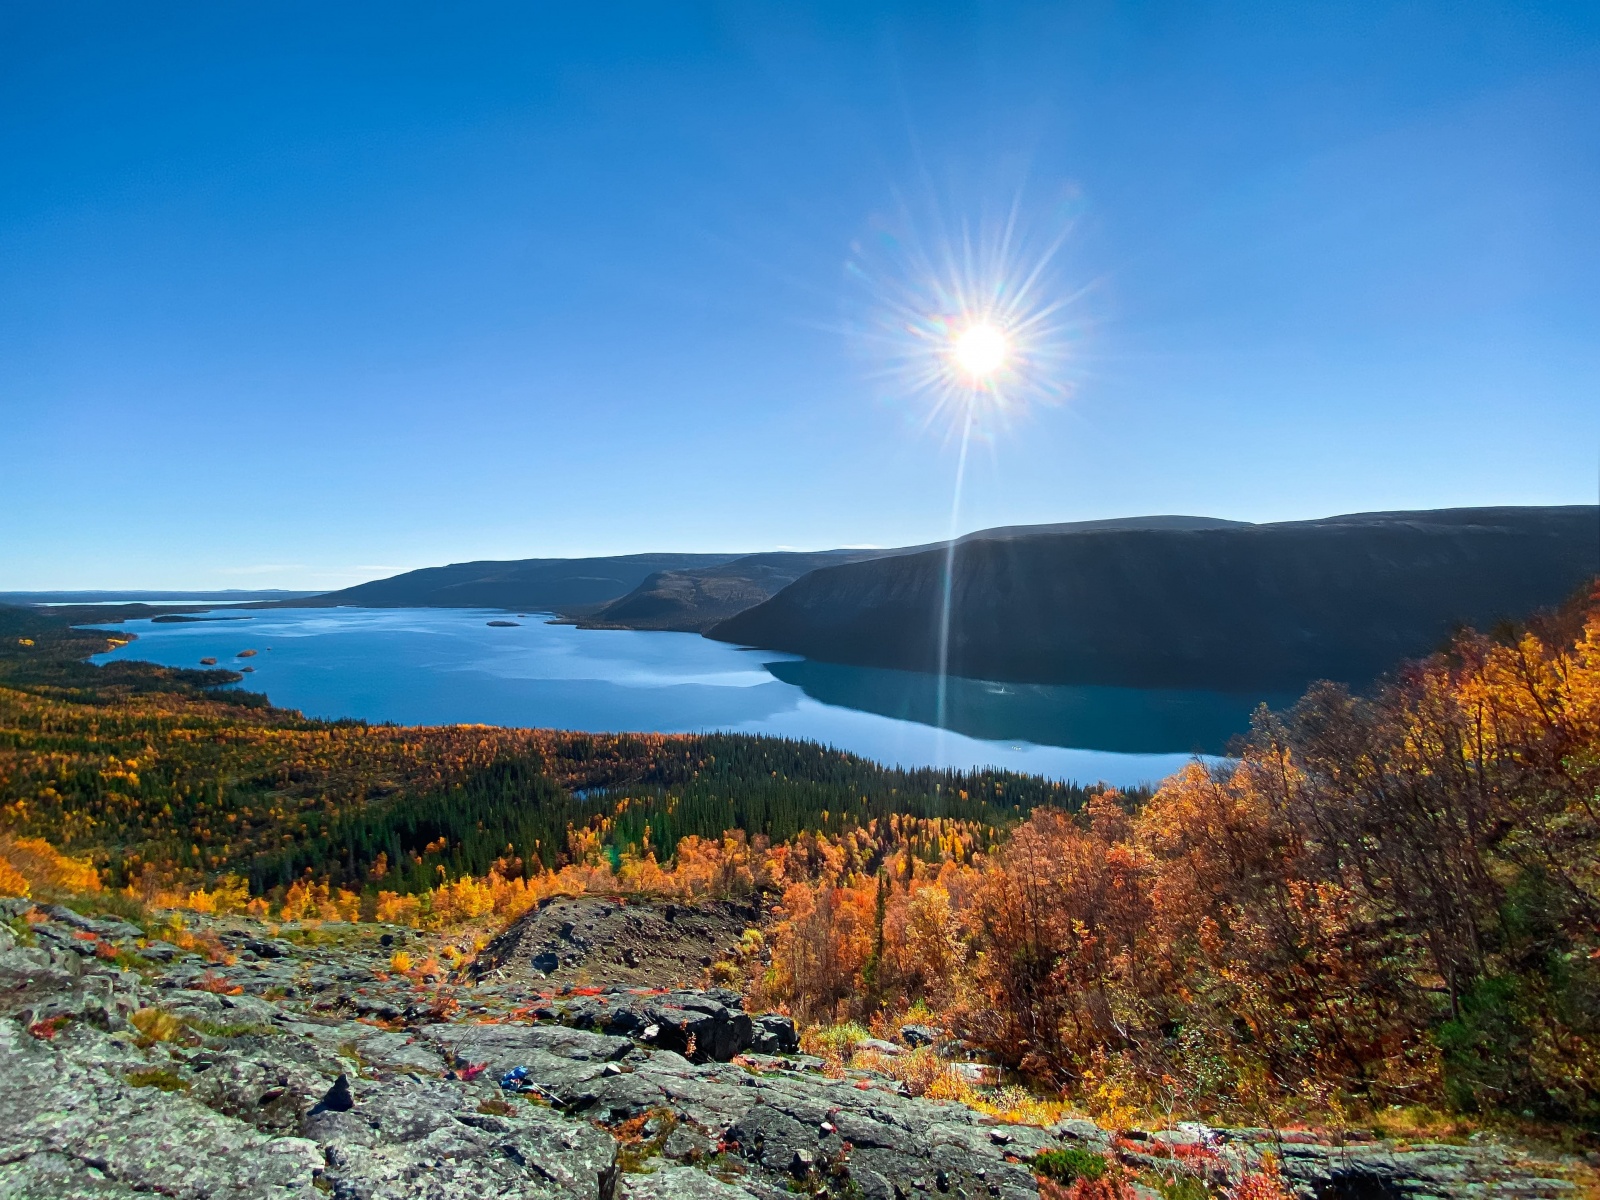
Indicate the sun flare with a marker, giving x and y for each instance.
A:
(981, 350)
(973, 321)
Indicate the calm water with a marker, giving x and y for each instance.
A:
(438, 666)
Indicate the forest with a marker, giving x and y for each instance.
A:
(1385, 899)
(1390, 899)
(176, 778)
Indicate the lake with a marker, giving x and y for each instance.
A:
(442, 666)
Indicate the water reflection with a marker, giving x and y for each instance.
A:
(1122, 720)
(437, 666)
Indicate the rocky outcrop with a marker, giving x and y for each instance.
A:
(132, 1077)
(569, 939)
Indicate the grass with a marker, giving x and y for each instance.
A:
(220, 1029)
(833, 1042)
(1420, 1123)
(919, 1069)
(163, 1078)
(925, 1073)
(1177, 1187)
(157, 1025)
(1012, 1105)
(110, 903)
(1069, 1164)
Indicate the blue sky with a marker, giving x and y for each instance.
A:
(297, 295)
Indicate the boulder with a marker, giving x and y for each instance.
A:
(774, 1033)
(707, 1026)
(109, 928)
(880, 1046)
(699, 1025)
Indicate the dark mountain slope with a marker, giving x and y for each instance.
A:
(1106, 525)
(694, 600)
(544, 584)
(1258, 606)
(674, 591)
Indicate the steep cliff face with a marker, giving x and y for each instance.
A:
(1235, 607)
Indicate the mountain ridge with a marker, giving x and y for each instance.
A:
(694, 599)
(1244, 606)
(676, 591)
(541, 584)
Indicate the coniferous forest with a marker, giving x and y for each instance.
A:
(147, 768)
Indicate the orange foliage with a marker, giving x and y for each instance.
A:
(32, 867)
(1285, 928)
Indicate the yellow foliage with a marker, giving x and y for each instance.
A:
(395, 909)
(919, 1070)
(32, 867)
(12, 881)
(157, 1025)
(308, 901)
(231, 895)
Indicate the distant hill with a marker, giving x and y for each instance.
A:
(564, 585)
(695, 599)
(690, 592)
(1168, 603)
(1108, 524)
(232, 595)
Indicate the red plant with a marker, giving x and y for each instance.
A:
(218, 984)
(1265, 1184)
(1111, 1186)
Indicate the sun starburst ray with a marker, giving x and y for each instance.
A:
(976, 327)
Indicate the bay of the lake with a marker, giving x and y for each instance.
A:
(444, 666)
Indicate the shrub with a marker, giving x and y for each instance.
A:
(158, 1025)
(1069, 1164)
(833, 1042)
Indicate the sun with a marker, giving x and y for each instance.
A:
(980, 350)
(972, 317)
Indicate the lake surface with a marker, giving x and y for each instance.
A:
(441, 666)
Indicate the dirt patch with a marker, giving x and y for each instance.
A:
(591, 941)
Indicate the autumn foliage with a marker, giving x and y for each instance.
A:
(1384, 899)
(1388, 899)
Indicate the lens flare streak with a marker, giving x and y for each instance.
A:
(980, 330)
